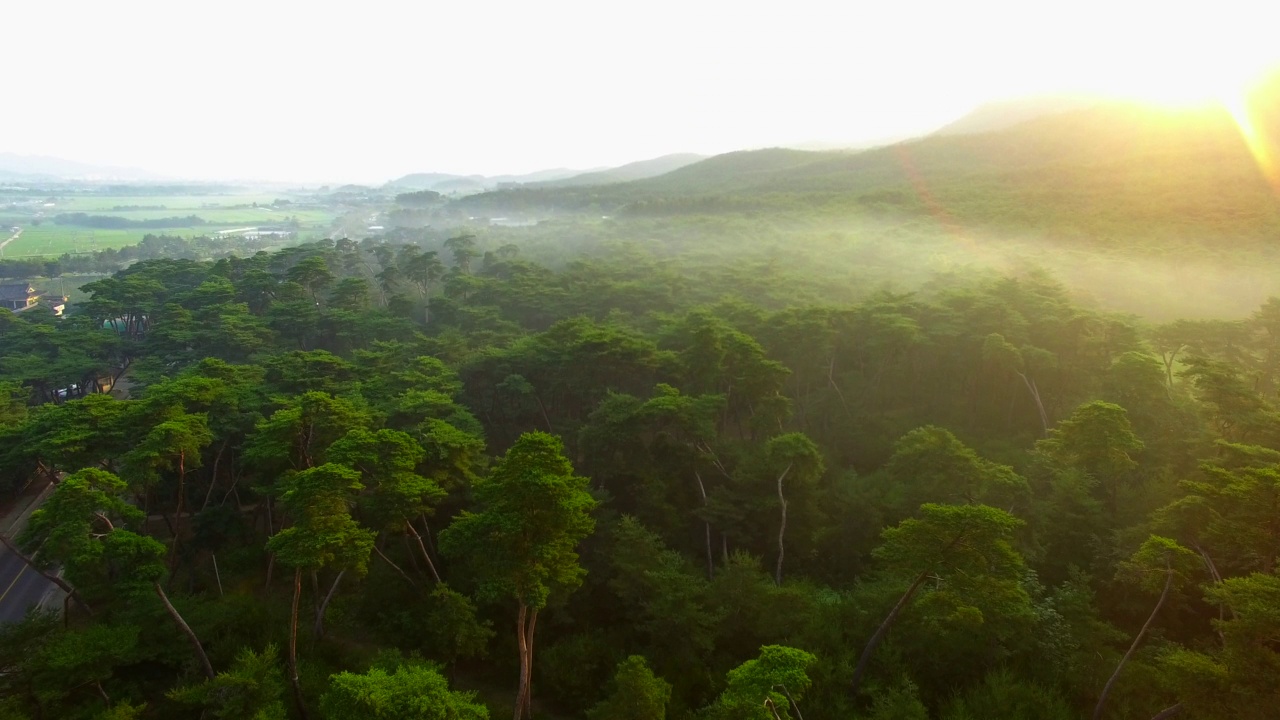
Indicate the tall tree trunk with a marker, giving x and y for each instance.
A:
(526, 626)
(403, 574)
(706, 525)
(528, 663)
(426, 533)
(177, 515)
(186, 630)
(213, 477)
(293, 645)
(217, 575)
(522, 644)
(782, 528)
(63, 584)
(795, 707)
(413, 556)
(1106, 690)
(315, 591)
(1035, 395)
(430, 565)
(319, 628)
(543, 409)
(271, 566)
(884, 628)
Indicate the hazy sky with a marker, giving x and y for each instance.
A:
(370, 90)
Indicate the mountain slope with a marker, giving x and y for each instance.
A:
(1101, 171)
(1008, 113)
(625, 173)
(449, 183)
(42, 167)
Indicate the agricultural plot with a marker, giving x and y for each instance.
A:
(52, 240)
(43, 237)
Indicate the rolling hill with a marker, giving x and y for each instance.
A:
(27, 168)
(1099, 171)
(1005, 114)
(464, 184)
(624, 173)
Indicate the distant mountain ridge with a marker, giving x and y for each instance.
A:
(1004, 114)
(1103, 170)
(26, 168)
(447, 183)
(638, 170)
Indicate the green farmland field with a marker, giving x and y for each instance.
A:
(220, 212)
(52, 240)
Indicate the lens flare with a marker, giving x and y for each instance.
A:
(1253, 112)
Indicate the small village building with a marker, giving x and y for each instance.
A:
(20, 297)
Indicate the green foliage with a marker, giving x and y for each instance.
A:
(297, 435)
(1230, 511)
(1237, 680)
(714, 374)
(929, 465)
(1158, 559)
(386, 459)
(453, 629)
(175, 443)
(759, 688)
(900, 701)
(1004, 695)
(1097, 442)
(637, 694)
(523, 544)
(252, 688)
(971, 544)
(69, 527)
(13, 405)
(46, 667)
(323, 533)
(412, 692)
(1096, 438)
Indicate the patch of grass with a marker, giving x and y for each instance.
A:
(49, 240)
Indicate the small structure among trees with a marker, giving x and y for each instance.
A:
(19, 297)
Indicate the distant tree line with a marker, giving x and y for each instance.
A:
(111, 222)
(418, 199)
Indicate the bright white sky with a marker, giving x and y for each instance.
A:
(366, 91)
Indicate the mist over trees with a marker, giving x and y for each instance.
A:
(699, 488)
(733, 453)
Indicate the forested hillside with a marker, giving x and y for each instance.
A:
(684, 479)
(1112, 175)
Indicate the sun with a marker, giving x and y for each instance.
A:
(1254, 109)
(1247, 88)
(1180, 83)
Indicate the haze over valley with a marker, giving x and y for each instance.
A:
(910, 361)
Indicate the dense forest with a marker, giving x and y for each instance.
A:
(457, 479)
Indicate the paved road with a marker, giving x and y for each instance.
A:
(13, 237)
(20, 586)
